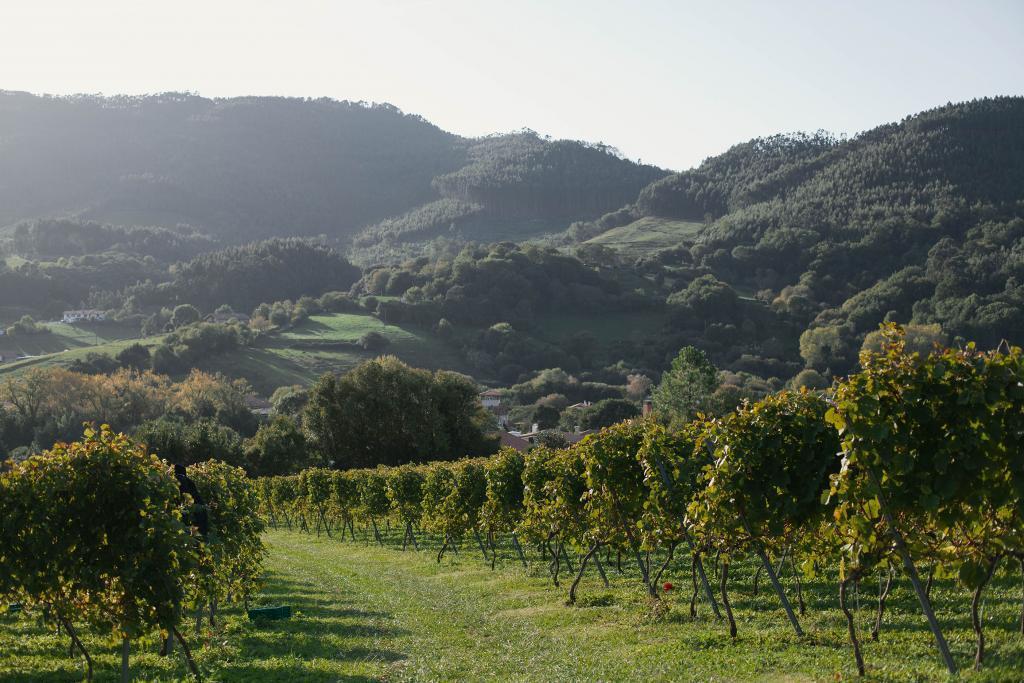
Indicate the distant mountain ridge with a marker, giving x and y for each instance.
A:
(248, 168)
(919, 221)
(791, 201)
(971, 150)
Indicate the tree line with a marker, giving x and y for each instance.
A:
(915, 222)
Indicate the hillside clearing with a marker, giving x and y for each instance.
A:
(67, 343)
(647, 235)
(63, 337)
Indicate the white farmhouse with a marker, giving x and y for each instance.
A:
(491, 398)
(84, 315)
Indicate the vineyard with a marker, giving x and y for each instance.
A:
(908, 473)
(912, 467)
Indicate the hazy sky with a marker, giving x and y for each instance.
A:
(667, 82)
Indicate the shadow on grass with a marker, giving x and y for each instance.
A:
(69, 673)
(326, 639)
(320, 630)
(247, 673)
(312, 326)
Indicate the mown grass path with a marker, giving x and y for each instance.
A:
(461, 621)
(366, 613)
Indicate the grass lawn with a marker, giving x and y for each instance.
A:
(366, 613)
(647, 235)
(340, 327)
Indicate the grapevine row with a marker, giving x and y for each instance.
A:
(99, 532)
(913, 460)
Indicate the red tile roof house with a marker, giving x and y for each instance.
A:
(491, 398)
(526, 441)
(516, 442)
(493, 402)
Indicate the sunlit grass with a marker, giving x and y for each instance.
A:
(362, 612)
(647, 235)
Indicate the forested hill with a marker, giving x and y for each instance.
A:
(513, 187)
(239, 168)
(972, 151)
(919, 220)
(248, 168)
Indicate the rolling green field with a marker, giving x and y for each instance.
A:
(367, 613)
(301, 354)
(328, 343)
(646, 235)
(66, 343)
(297, 355)
(66, 337)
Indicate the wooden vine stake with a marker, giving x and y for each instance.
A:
(519, 549)
(725, 599)
(188, 655)
(77, 643)
(773, 577)
(565, 554)
(600, 569)
(480, 544)
(708, 592)
(915, 580)
(409, 536)
(979, 653)
(693, 578)
(883, 594)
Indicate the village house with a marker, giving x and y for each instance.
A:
(648, 407)
(259, 405)
(492, 402)
(84, 315)
(226, 317)
(509, 440)
(491, 398)
(524, 441)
